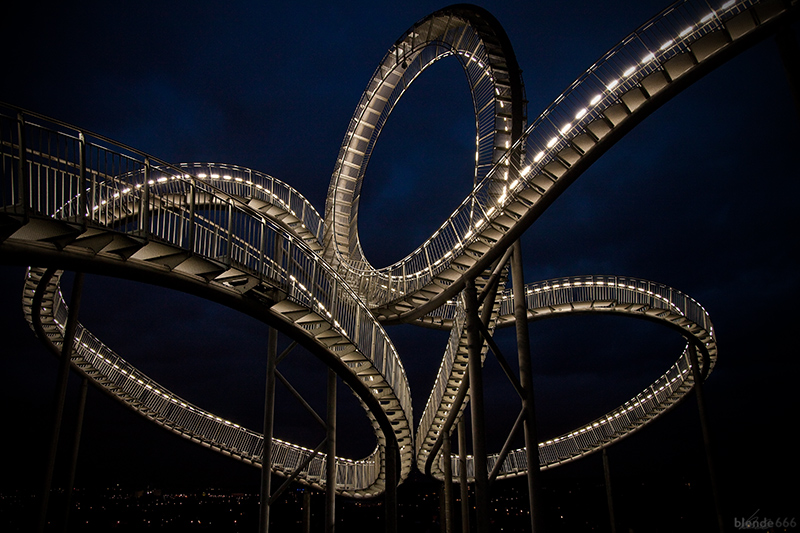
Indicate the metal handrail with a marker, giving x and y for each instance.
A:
(584, 101)
(127, 383)
(598, 295)
(73, 176)
(452, 31)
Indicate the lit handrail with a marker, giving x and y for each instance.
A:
(131, 386)
(596, 295)
(104, 183)
(585, 101)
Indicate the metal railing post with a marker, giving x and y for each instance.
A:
(84, 211)
(229, 251)
(144, 208)
(23, 182)
(262, 246)
(192, 190)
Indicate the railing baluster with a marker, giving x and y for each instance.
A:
(23, 187)
(144, 208)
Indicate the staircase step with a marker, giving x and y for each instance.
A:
(47, 230)
(8, 225)
(678, 65)
(199, 266)
(123, 246)
(707, 45)
(740, 25)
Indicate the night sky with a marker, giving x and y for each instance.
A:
(701, 196)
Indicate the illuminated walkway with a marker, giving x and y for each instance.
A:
(600, 295)
(77, 201)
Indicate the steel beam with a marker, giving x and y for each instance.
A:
(76, 444)
(526, 382)
(269, 421)
(462, 473)
(609, 494)
(390, 495)
(475, 369)
(330, 460)
(701, 409)
(61, 393)
(306, 510)
(447, 487)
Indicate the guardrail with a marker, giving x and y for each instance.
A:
(599, 295)
(622, 68)
(50, 170)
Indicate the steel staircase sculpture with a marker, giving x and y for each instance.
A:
(70, 199)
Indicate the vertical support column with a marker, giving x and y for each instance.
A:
(330, 463)
(474, 343)
(609, 494)
(526, 381)
(76, 443)
(701, 408)
(269, 422)
(447, 489)
(462, 473)
(390, 495)
(61, 393)
(306, 510)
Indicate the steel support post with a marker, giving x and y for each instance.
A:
(462, 473)
(61, 393)
(526, 382)
(701, 409)
(447, 487)
(609, 494)
(76, 444)
(474, 343)
(269, 422)
(390, 495)
(330, 459)
(306, 510)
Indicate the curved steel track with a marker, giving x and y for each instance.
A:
(74, 200)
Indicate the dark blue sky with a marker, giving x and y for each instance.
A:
(700, 197)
